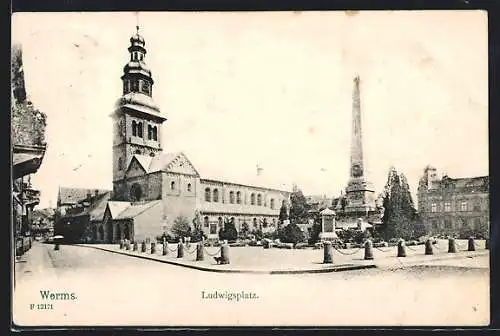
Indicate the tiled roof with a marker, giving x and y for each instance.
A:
(98, 207)
(116, 207)
(136, 209)
(74, 195)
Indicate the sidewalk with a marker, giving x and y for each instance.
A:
(257, 260)
(34, 265)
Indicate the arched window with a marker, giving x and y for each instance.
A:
(152, 154)
(120, 163)
(207, 195)
(216, 195)
(252, 199)
(155, 133)
(134, 128)
(238, 197)
(136, 192)
(139, 129)
(172, 185)
(150, 132)
(220, 222)
(259, 199)
(271, 203)
(126, 84)
(255, 222)
(135, 85)
(231, 197)
(137, 151)
(205, 221)
(189, 187)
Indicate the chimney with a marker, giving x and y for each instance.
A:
(17, 73)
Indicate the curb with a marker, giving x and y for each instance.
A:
(339, 268)
(411, 263)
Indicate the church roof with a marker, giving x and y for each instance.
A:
(136, 209)
(163, 162)
(116, 207)
(98, 207)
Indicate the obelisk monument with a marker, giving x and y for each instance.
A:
(360, 194)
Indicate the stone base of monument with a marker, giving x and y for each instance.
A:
(328, 236)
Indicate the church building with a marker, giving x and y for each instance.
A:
(152, 188)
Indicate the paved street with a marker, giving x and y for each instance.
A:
(111, 289)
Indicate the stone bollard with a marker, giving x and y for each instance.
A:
(452, 248)
(328, 253)
(471, 247)
(401, 248)
(487, 244)
(368, 250)
(199, 252)
(143, 246)
(224, 253)
(180, 250)
(135, 246)
(127, 244)
(121, 244)
(165, 248)
(428, 247)
(153, 247)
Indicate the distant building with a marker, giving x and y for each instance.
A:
(78, 212)
(448, 205)
(28, 149)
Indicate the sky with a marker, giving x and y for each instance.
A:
(272, 89)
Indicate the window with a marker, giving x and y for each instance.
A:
(135, 85)
(139, 129)
(172, 185)
(259, 199)
(154, 133)
(255, 222)
(189, 187)
(150, 132)
(216, 195)
(126, 84)
(273, 223)
(120, 164)
(476, 207)
(433, 207)
(134, 128)
(447, 224)
(219, 220)
(447, 206)
(205, 221)
(434, 224)
(238, 197)
(207, 194)
(137, 151)
(272, 203)
(463, 206)
(252, 199)
(231, 197)
(152, 154)
(145, 87)
(135, 192)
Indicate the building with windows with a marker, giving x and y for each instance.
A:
(152, 188)
(28, 150)
(450, 205)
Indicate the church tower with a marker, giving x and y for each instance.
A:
(136, 120)
(359, 191)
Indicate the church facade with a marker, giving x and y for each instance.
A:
(151, 189)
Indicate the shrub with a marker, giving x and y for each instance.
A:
(228, 232)
(181, 228)
(291, 234)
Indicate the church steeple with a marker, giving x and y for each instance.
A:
(136, 74)
(137, 118)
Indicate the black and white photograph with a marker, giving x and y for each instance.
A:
(281, 168)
